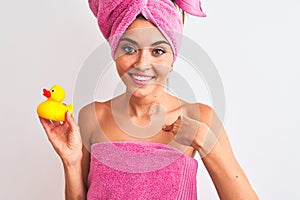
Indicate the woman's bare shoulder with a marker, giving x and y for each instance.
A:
(90, 114)
(95, 108)
(197, 111)
(89, 117)
(206, 112)
(209, 117)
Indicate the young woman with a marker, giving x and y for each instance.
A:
(141, 144)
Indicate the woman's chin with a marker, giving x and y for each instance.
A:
(143, 91)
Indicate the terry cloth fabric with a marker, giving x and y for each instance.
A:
(114, 17)
(140, 170)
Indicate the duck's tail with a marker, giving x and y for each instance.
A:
(70, 108)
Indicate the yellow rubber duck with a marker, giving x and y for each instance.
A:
(52, 108)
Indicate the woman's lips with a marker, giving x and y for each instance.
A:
(141, 79)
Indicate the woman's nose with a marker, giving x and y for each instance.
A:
(143, 61)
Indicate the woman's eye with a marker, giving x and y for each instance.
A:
(158, 51)
(128, 49)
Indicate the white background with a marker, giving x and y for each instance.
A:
(254, 45)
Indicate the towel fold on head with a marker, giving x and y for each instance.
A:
(114, 17)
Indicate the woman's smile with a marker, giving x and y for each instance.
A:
(141, 79)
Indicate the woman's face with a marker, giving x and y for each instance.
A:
(143, 58)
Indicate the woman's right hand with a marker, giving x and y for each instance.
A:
(65, 138)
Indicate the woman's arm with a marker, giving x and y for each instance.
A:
(66, 140)
(74, 184)
(205, 133)
(227, 175)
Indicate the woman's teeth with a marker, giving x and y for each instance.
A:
(141, 78)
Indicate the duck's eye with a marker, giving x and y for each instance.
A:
(128, 49)
(52, 90)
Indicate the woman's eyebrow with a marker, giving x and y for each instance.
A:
(153, 44)
(129, 40)
(160, 42)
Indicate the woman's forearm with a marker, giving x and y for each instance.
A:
(74, 185)
(228, 177)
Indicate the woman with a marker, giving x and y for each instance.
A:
(141, 144)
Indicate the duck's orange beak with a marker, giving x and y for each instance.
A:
(47, 93)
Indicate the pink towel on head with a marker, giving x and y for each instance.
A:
(114, 17)
(140, 170)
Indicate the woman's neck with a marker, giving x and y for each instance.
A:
(140, 106)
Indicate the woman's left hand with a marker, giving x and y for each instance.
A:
(190, 132)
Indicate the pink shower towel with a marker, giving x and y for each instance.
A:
(114, 17)
(140, 170)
